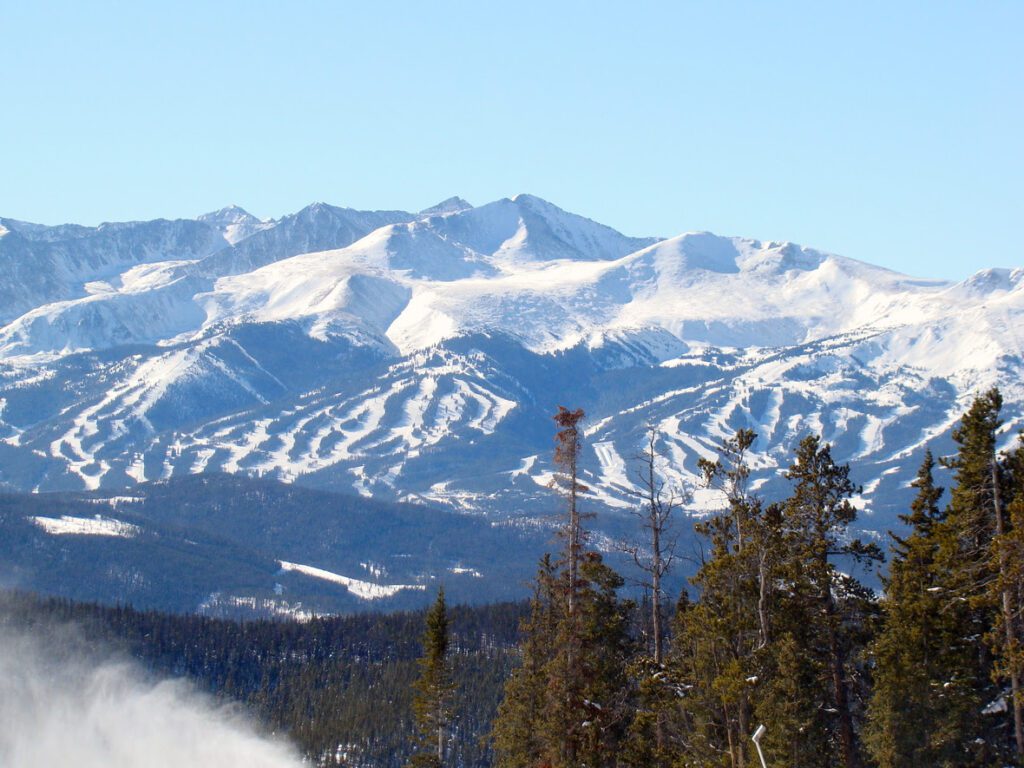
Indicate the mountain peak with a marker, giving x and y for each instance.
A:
(234, 222)
(316, 207)
(525, 198)
(451, 205)
(235, 209)
(990, 280)
(227, 213)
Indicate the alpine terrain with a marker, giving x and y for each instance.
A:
(418, 358)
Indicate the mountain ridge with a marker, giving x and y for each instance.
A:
(418, 356)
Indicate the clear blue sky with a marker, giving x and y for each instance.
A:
(889, 132)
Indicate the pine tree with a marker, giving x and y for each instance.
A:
(432, 703)
(1009, 553)
(720, 648)
(518, 728)
(910, 652)
(966, 571)
(568, 705)
(822, 611)
(718, 652)
(562, 710)
(588, 709)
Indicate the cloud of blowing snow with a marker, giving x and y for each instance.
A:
(66, 707)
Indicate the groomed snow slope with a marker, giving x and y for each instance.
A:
(420, 355)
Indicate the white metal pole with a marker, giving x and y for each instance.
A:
(756, 738)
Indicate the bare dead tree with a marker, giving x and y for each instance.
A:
(658, 502)
(567, 454)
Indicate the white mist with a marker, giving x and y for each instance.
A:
(61, 708)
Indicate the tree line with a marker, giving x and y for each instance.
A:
(774, 631)
(338, 687)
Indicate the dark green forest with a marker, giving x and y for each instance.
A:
(773, 629)
(340, 688)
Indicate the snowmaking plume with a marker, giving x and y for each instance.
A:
(60, 704)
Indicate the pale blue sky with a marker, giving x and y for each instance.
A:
(888, 132)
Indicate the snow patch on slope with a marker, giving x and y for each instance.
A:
(66, 525)
(364, 590)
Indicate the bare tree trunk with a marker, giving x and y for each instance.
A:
(567, 450)
(743, 727)
(574, 535)
(656, 564)
(762, 595)
(656, 570)
(440, 737)
(1007, 607)
(847, 736)
(733, 761)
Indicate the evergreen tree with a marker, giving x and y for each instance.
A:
(568, 704)
(518, 729)
(966, 571)
(588, 707)
(1009, 549)
(821, 615)
(910, 652)
(720, 650)
(432, 705)
(566, 710)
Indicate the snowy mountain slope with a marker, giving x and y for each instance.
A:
(699, 288)
(420, 356)
(316, 227)
(235, 224)
(40, 265)
(450, 205)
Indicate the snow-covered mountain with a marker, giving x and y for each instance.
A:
(419, 356)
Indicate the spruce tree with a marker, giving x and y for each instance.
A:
(720, 647)
(969, 721)
(822, 612)
(569, 704)
(518, 729)
(1009, 629)
(432, 705)
(910, 652)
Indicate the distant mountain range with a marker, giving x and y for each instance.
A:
(418, 357)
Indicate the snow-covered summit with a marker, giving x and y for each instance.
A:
(519, 266)
(414, 354)
(235, 223)
(451, 205)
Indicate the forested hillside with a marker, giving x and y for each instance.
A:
(234, 546)
(340, 688)
(775, 628)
